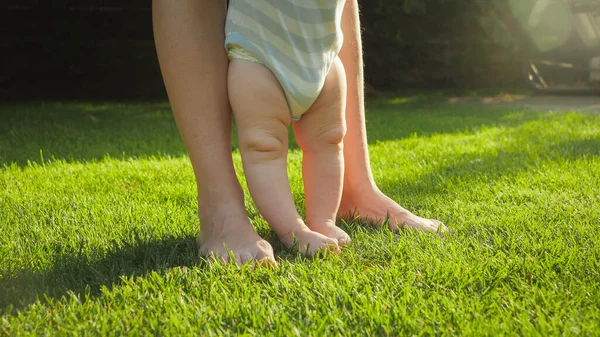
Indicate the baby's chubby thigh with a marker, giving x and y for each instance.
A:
(324, 121)
(255, 93)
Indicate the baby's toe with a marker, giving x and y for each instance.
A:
(344, 239)
(331, 242)
(331, 245)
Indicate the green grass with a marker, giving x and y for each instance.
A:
(98, 225)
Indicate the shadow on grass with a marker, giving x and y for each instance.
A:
(577, 148)
(82, 131)
(389, 121)
(80, 275)
(490, 166)
(86, 131)
(74, 273)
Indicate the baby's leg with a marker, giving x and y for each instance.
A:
(320, 134)
(262, 119)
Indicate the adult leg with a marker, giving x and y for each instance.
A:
(262, 117)
(361, 195)
(189, 37)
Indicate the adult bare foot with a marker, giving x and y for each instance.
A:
(228, 232)
(375, 206)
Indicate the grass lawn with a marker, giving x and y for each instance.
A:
(98, 226)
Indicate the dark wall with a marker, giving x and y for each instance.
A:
(85, 49)
(440, 43)
(104, 49)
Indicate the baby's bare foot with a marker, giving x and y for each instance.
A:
(377, 207)
(329, 229)
(308, 241)
(234, 236)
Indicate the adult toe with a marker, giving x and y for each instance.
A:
(265, 258)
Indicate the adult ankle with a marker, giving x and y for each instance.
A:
(356, 187)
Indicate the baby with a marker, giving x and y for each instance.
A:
(285, 70)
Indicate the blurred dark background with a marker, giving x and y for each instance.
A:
(104, 48)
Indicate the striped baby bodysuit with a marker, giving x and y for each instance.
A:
(297, 40)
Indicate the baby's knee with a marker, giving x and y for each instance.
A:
(324, 138)
(332, 134)
(263, 143)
